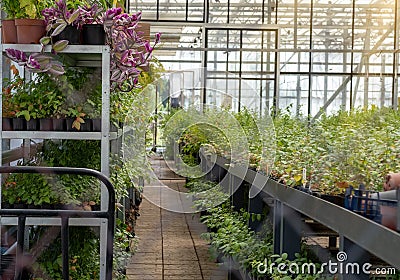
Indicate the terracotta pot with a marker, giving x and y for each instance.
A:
(389, 216)
(144, 29)
(9, 32)
(392, 181)
(29, 31)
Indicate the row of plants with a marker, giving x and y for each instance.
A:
(75, 96)
(357, 147)
(231, 238)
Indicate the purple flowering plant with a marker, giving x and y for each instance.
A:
(36, 62)
(129, 51)
(58, 17)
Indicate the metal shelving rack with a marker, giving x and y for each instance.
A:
(83, 56)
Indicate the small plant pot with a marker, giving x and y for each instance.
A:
(29, 31)
(7, 124)
(71, 34)
(19, 124)
(93, 34)
(96, 125)
(32, 125)
(9, 32)
(86, 126)
(46, 124)
(69, 122)
(59, 125)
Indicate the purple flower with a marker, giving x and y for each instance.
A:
(158, 38)
(16, 55)
(111, 13)
(32, 63)
(148, 47)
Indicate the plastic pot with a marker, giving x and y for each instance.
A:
(59, 124)
(93, 34)
(32, 125)
(19, 123)
(46, 124)
(7, 124)
(71, 34)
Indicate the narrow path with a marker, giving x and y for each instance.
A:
(170, 247)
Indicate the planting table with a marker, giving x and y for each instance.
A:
(357, 234)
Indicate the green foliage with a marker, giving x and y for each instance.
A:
(347, 148)
(18, 189)
(233, 238)
(83, 251)
(124, 247)
(24, 8)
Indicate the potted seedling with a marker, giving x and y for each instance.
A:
(75, 119)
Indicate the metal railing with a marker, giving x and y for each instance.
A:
(64, 215)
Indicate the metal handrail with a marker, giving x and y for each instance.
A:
(65, 215)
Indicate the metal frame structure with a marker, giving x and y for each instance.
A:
(79, 55)
(333, 54)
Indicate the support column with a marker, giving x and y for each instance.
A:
(353, 258)
(287, 230)
(256, 206)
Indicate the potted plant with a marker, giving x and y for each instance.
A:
(38, 62)
(75, 119)
(62, 23)
(92, 25)
(28, 21)
(9, 31)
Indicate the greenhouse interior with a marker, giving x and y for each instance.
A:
(200, 139)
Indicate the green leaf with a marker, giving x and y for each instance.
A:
(59, 29)
(74, 16)
(56, 69)
(60, 45)
(45, 40)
